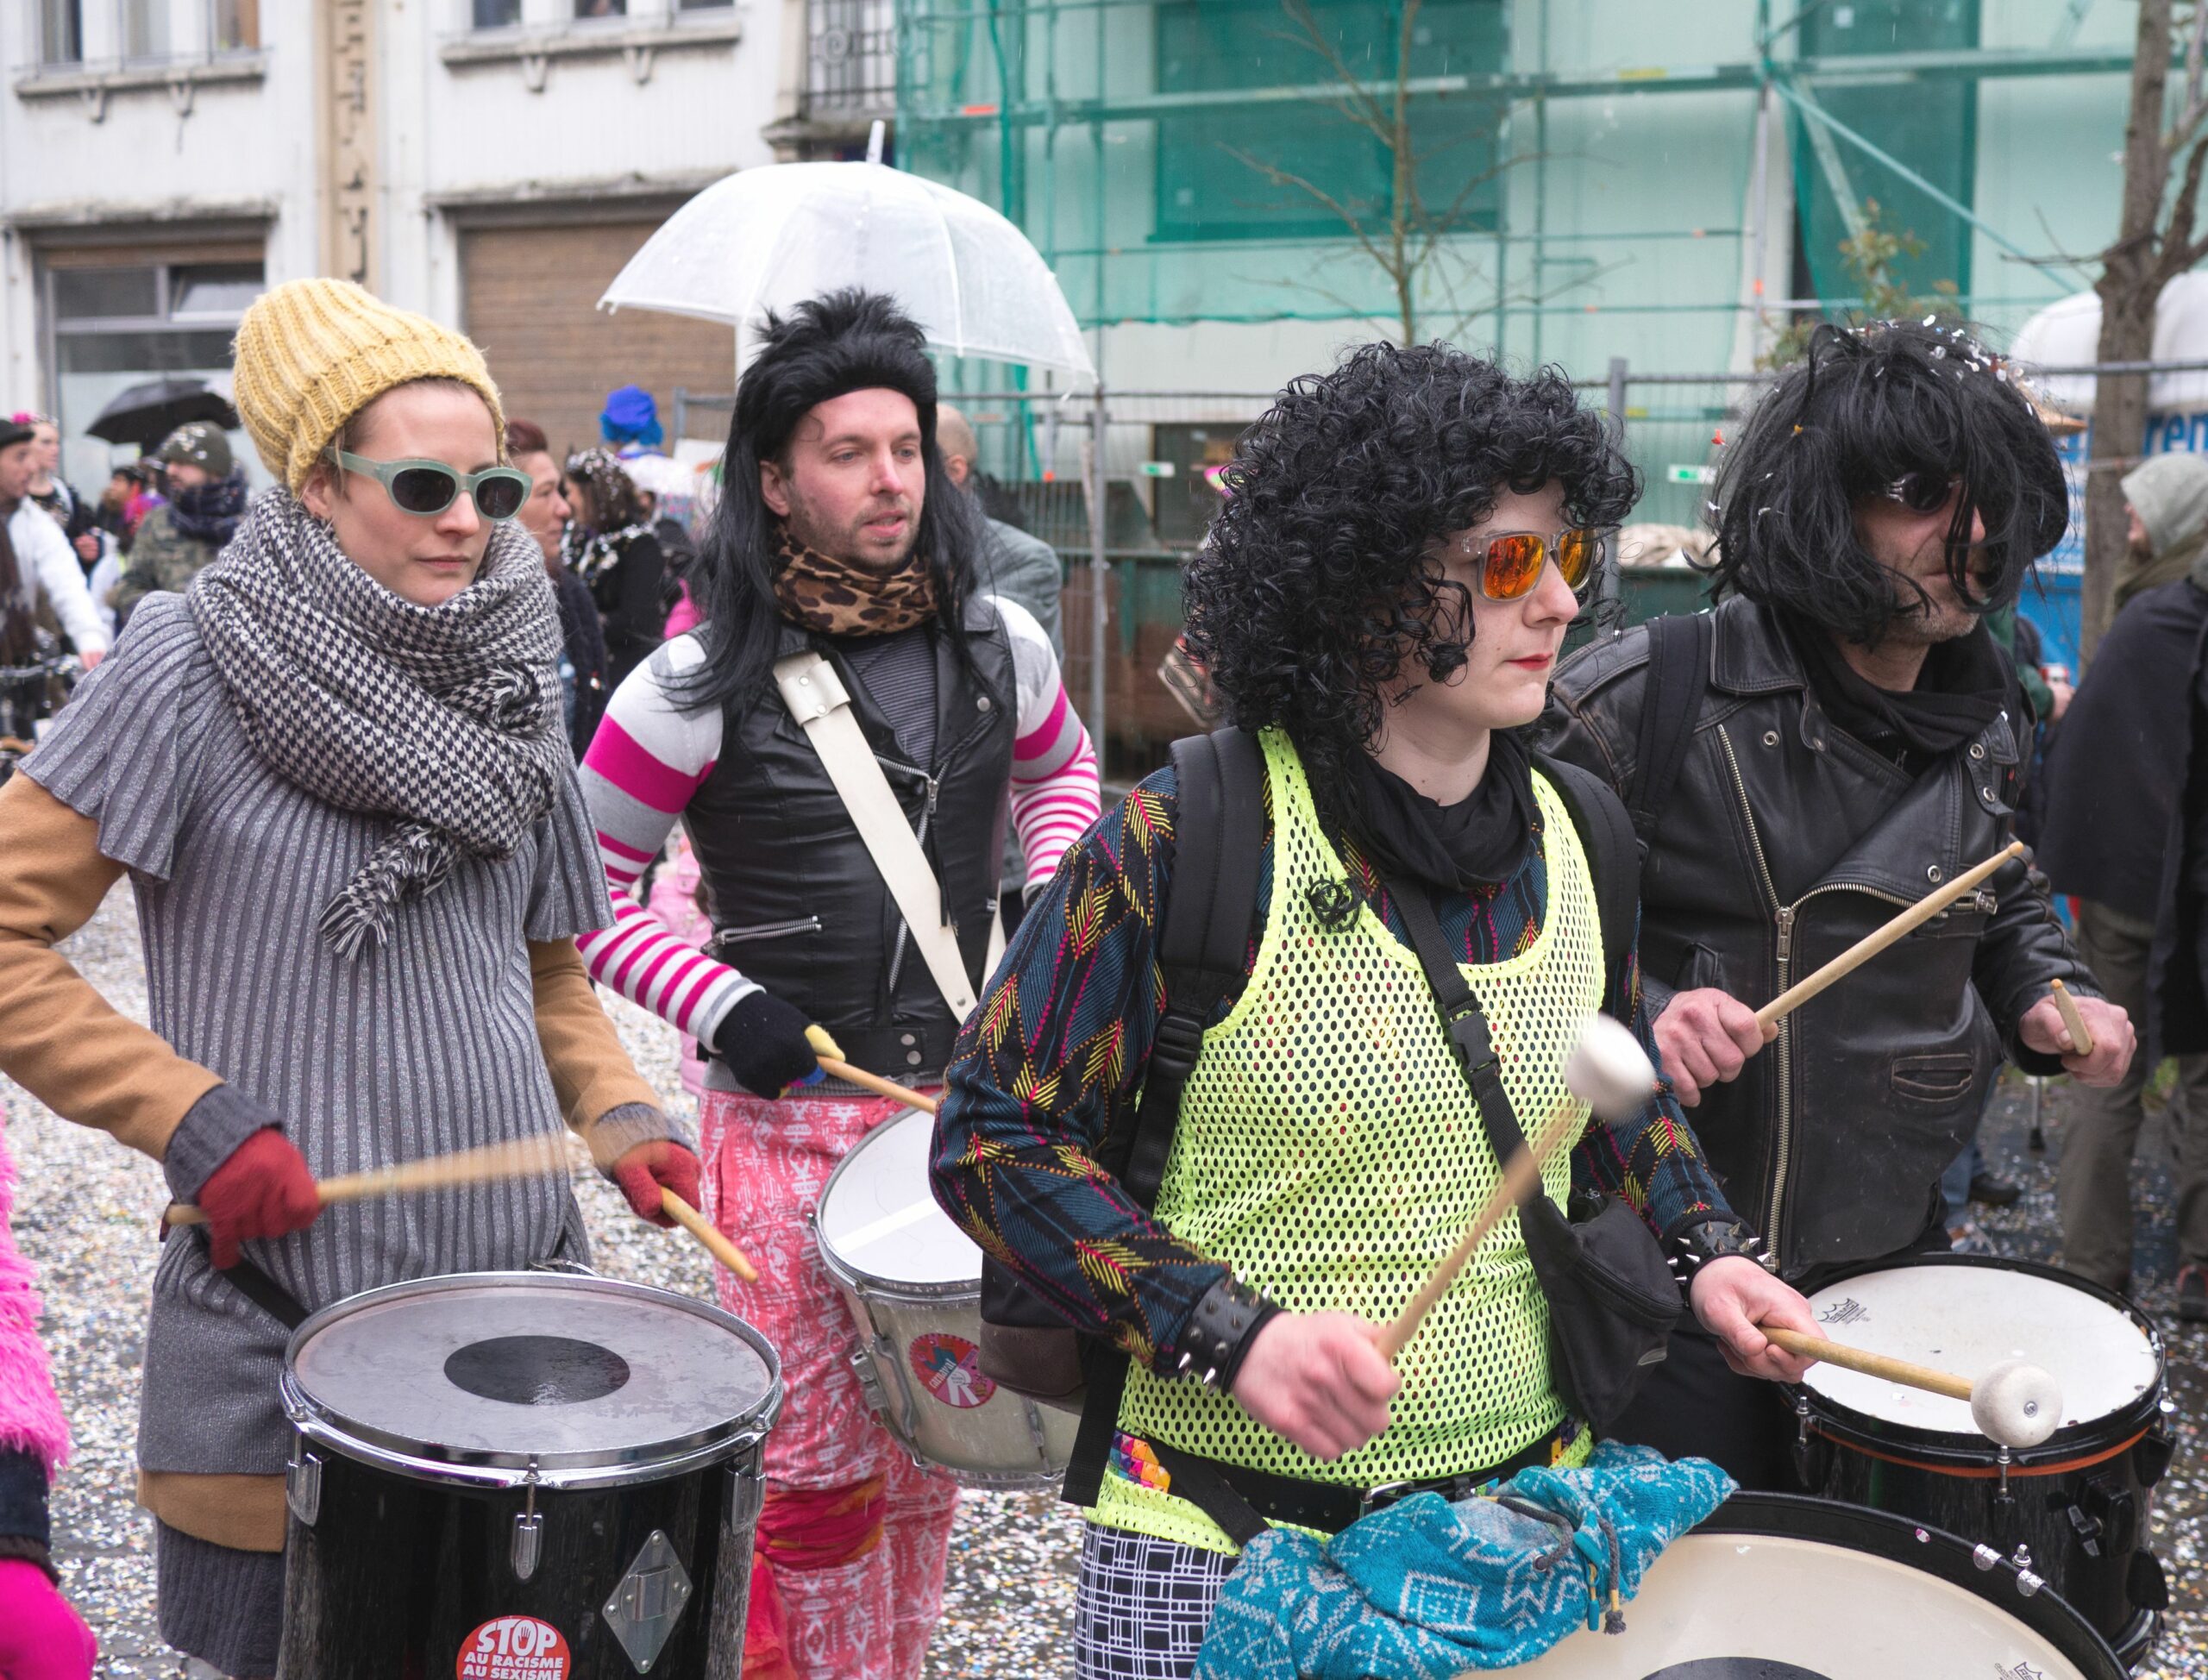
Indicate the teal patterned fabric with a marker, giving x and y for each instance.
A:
(1425, 1589)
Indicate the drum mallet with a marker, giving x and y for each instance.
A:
(524, 1158)
(1609, 1071)
(2015, 1404)
(1871, 944)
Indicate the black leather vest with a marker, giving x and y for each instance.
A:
(796, 900)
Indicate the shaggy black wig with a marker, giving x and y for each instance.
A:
(1865, 408)
(1313, 603)
(847, 340)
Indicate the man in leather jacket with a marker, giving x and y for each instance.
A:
(839, 588)
(1847, 736)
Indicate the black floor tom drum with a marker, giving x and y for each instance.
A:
(521, 1476)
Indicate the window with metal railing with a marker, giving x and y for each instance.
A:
(850, 58)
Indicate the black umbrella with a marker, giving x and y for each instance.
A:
(145, 414)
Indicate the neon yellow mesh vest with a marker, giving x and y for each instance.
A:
(1329, 1149)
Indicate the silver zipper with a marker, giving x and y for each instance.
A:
(904, 928)
(731, 936)
(1783, 915)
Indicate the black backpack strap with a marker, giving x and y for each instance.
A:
(1678, 675)
(1613, 858)
(1462, 1014)
(1218, 835)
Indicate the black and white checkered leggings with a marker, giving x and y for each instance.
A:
(1142, 1606)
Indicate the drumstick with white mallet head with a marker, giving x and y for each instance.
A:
(1607, 1070)
(2014, 1403)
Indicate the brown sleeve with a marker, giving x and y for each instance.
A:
(591, 1075)
(59, 1039)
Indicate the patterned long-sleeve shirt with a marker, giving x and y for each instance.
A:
(652, 752)
(1055, 1054)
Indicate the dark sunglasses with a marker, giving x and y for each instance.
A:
(429, 488)
(1512, 561)
(1921, 492)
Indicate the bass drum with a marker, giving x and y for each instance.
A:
(912, 1280)
(1777, 1587)
(2074, 1509)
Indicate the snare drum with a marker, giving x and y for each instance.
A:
(521, 1474)
(2072, 1509)
(912, 1280)
(1773, 1587)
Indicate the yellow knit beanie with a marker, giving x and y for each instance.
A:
(310, 355)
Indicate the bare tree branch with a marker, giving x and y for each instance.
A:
(2177, 252)
(2196, 60)
(1280, 176)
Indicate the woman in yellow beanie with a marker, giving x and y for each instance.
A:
(335, 770)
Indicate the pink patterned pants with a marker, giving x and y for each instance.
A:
(854, 1610)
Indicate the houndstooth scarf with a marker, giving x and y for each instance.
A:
(445, 717)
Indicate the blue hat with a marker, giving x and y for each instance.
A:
(631, 417)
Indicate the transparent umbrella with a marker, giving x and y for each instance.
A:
(771, 238)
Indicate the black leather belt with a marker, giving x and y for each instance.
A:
(1244, 1502)
(914, 1054)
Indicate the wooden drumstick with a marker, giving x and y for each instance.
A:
(1868, 947)
(837, 1068)
(1870, 1364)
(1609, 1071)
(525, 1157)
(702, 1228)
(2081, 1036)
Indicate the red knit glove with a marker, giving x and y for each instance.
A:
(264, 1189)
(41, 1638)
(645, 1169)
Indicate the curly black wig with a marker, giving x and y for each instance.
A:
(1313, 603)
(1865, 408)
(847, 340)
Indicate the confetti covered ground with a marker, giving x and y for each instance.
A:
(85, 1214)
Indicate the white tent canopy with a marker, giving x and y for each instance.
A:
(2067, 334)
(771, 238)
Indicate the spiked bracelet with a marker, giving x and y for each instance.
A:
(1705, 1240)
(1211, 1346)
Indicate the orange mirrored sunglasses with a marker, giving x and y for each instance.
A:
(1513, 561)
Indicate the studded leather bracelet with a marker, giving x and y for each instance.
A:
(1216, 1339)
(1703, 1240)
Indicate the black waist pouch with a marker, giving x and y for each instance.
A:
(1612, 1300)
(1025, 1346)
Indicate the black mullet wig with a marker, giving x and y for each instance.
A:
(1864, 409)
(1312, 602)
(827, 347)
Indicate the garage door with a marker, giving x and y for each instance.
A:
(529, 296)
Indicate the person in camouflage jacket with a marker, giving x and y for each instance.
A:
(206, 497)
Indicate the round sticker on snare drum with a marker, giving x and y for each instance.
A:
(951, 1368)
(514, 1648)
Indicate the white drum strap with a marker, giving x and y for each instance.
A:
(818, 700)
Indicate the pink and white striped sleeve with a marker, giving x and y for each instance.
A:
(1056, 794)
(647, 760)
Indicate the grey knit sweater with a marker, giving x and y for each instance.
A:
(425, 1046)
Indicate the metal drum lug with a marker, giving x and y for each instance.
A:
(1037, 1434)
(647, 1602)
(528, 1531)
(303, 1485)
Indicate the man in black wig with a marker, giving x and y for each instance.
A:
(1836, 738)
(842, 739)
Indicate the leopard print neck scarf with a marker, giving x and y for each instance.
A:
(842, 599)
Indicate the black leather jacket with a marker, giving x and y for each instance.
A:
(1784, 842)
(796, 900)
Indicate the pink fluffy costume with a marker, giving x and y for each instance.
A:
(40, 1637)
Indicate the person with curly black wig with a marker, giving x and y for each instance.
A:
(1836, 738)
(1380, 603)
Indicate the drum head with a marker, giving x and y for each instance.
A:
(509, 1368)
(1777, 1588)
(1965, 1315)
(878, 1222)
